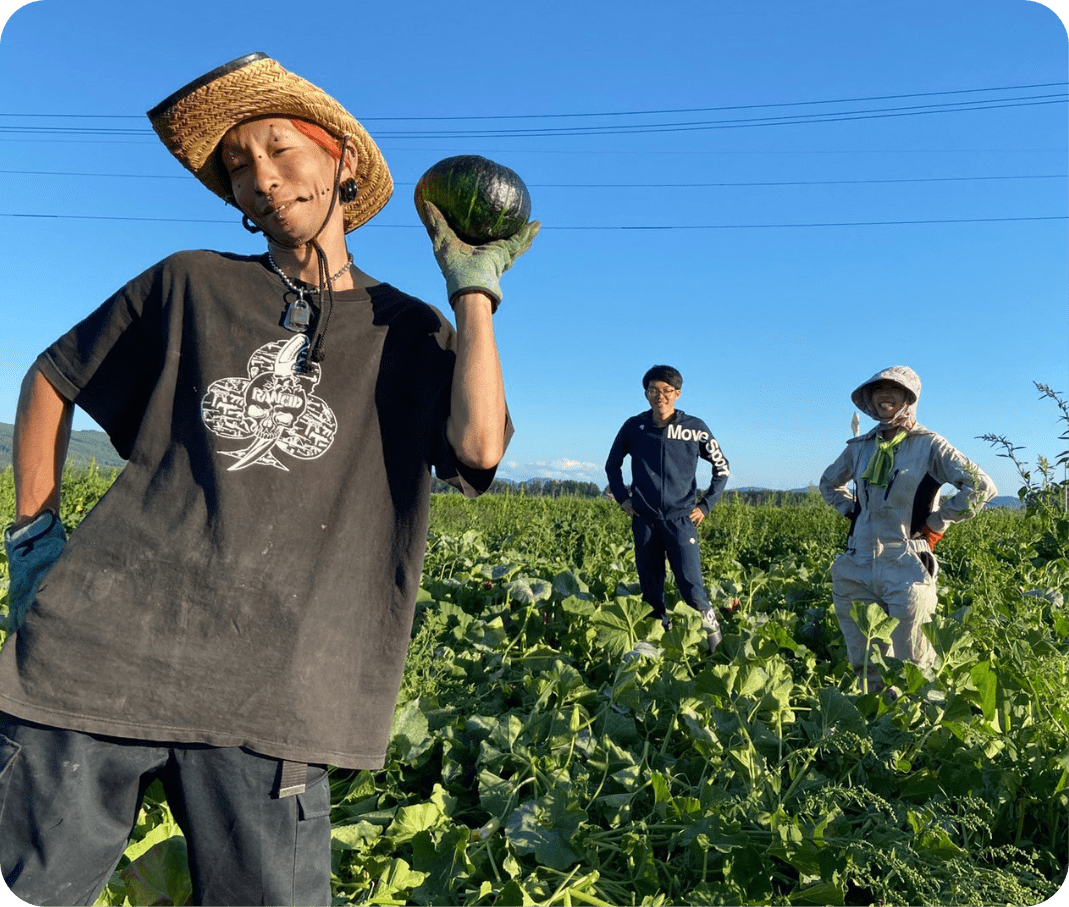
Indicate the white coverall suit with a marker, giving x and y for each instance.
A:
(886, 560)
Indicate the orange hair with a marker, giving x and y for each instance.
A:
(320, 136)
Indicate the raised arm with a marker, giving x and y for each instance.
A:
(476, 425)
(42, 434)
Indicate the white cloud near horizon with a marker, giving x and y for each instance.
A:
(562, 468)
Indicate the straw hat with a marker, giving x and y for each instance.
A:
(193, 120)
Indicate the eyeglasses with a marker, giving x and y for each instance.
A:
(657, 392)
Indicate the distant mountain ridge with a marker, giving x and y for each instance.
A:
(85, 447)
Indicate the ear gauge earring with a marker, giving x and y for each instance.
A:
(248, 224)
(347, 191)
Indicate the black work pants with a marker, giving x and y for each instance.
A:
(68, 802)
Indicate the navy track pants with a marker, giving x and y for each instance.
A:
(677, 540)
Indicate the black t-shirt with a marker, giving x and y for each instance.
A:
(250, 577)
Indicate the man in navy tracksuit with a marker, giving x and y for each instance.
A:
(664, 444)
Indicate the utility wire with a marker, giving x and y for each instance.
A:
(814, 119)
(645, 152)
(621, 113)
(587, 130)
(922, 179)
(721, 185)
(879, 223)
(870, 223)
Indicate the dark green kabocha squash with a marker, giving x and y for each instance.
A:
(480, 199)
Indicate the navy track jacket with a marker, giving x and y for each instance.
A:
(664, 464)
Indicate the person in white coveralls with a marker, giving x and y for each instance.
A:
(896, 515)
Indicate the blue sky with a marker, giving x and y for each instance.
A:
(827, 189)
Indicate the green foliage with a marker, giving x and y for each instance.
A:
(154, 871)
(876, 625)
(566, 771)
(1043, 492)
(536, 760)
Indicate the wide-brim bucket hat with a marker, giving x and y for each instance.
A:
(193, 120)
(901, 375)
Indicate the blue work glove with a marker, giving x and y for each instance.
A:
(468, 268)
(31, 551)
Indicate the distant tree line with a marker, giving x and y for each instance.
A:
(550, 488)
(759, 496)
(559, 488)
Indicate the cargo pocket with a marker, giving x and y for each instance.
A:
(311, 875)
(314, 802)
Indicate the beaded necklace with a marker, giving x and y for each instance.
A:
(299, 312)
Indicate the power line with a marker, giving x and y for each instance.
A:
(755, 151)
(618, 113)
(870, 223)
(725, 185)
(889, 97)
(924, 179)
(143, 141)
(149, 176)
(73, 130)
(647, 128)
(645, 152)
(697, 126)
(633, 227)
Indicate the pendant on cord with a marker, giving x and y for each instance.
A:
(298, 315)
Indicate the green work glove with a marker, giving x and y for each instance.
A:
(475, 268)
(31, 551)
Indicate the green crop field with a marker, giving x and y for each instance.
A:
(534, 761)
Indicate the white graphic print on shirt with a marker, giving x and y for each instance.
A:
(274, 407)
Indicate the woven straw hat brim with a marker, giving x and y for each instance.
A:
(193, 120)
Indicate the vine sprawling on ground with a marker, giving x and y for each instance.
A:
(535, 760)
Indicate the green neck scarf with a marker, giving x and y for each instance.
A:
(883, 460)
